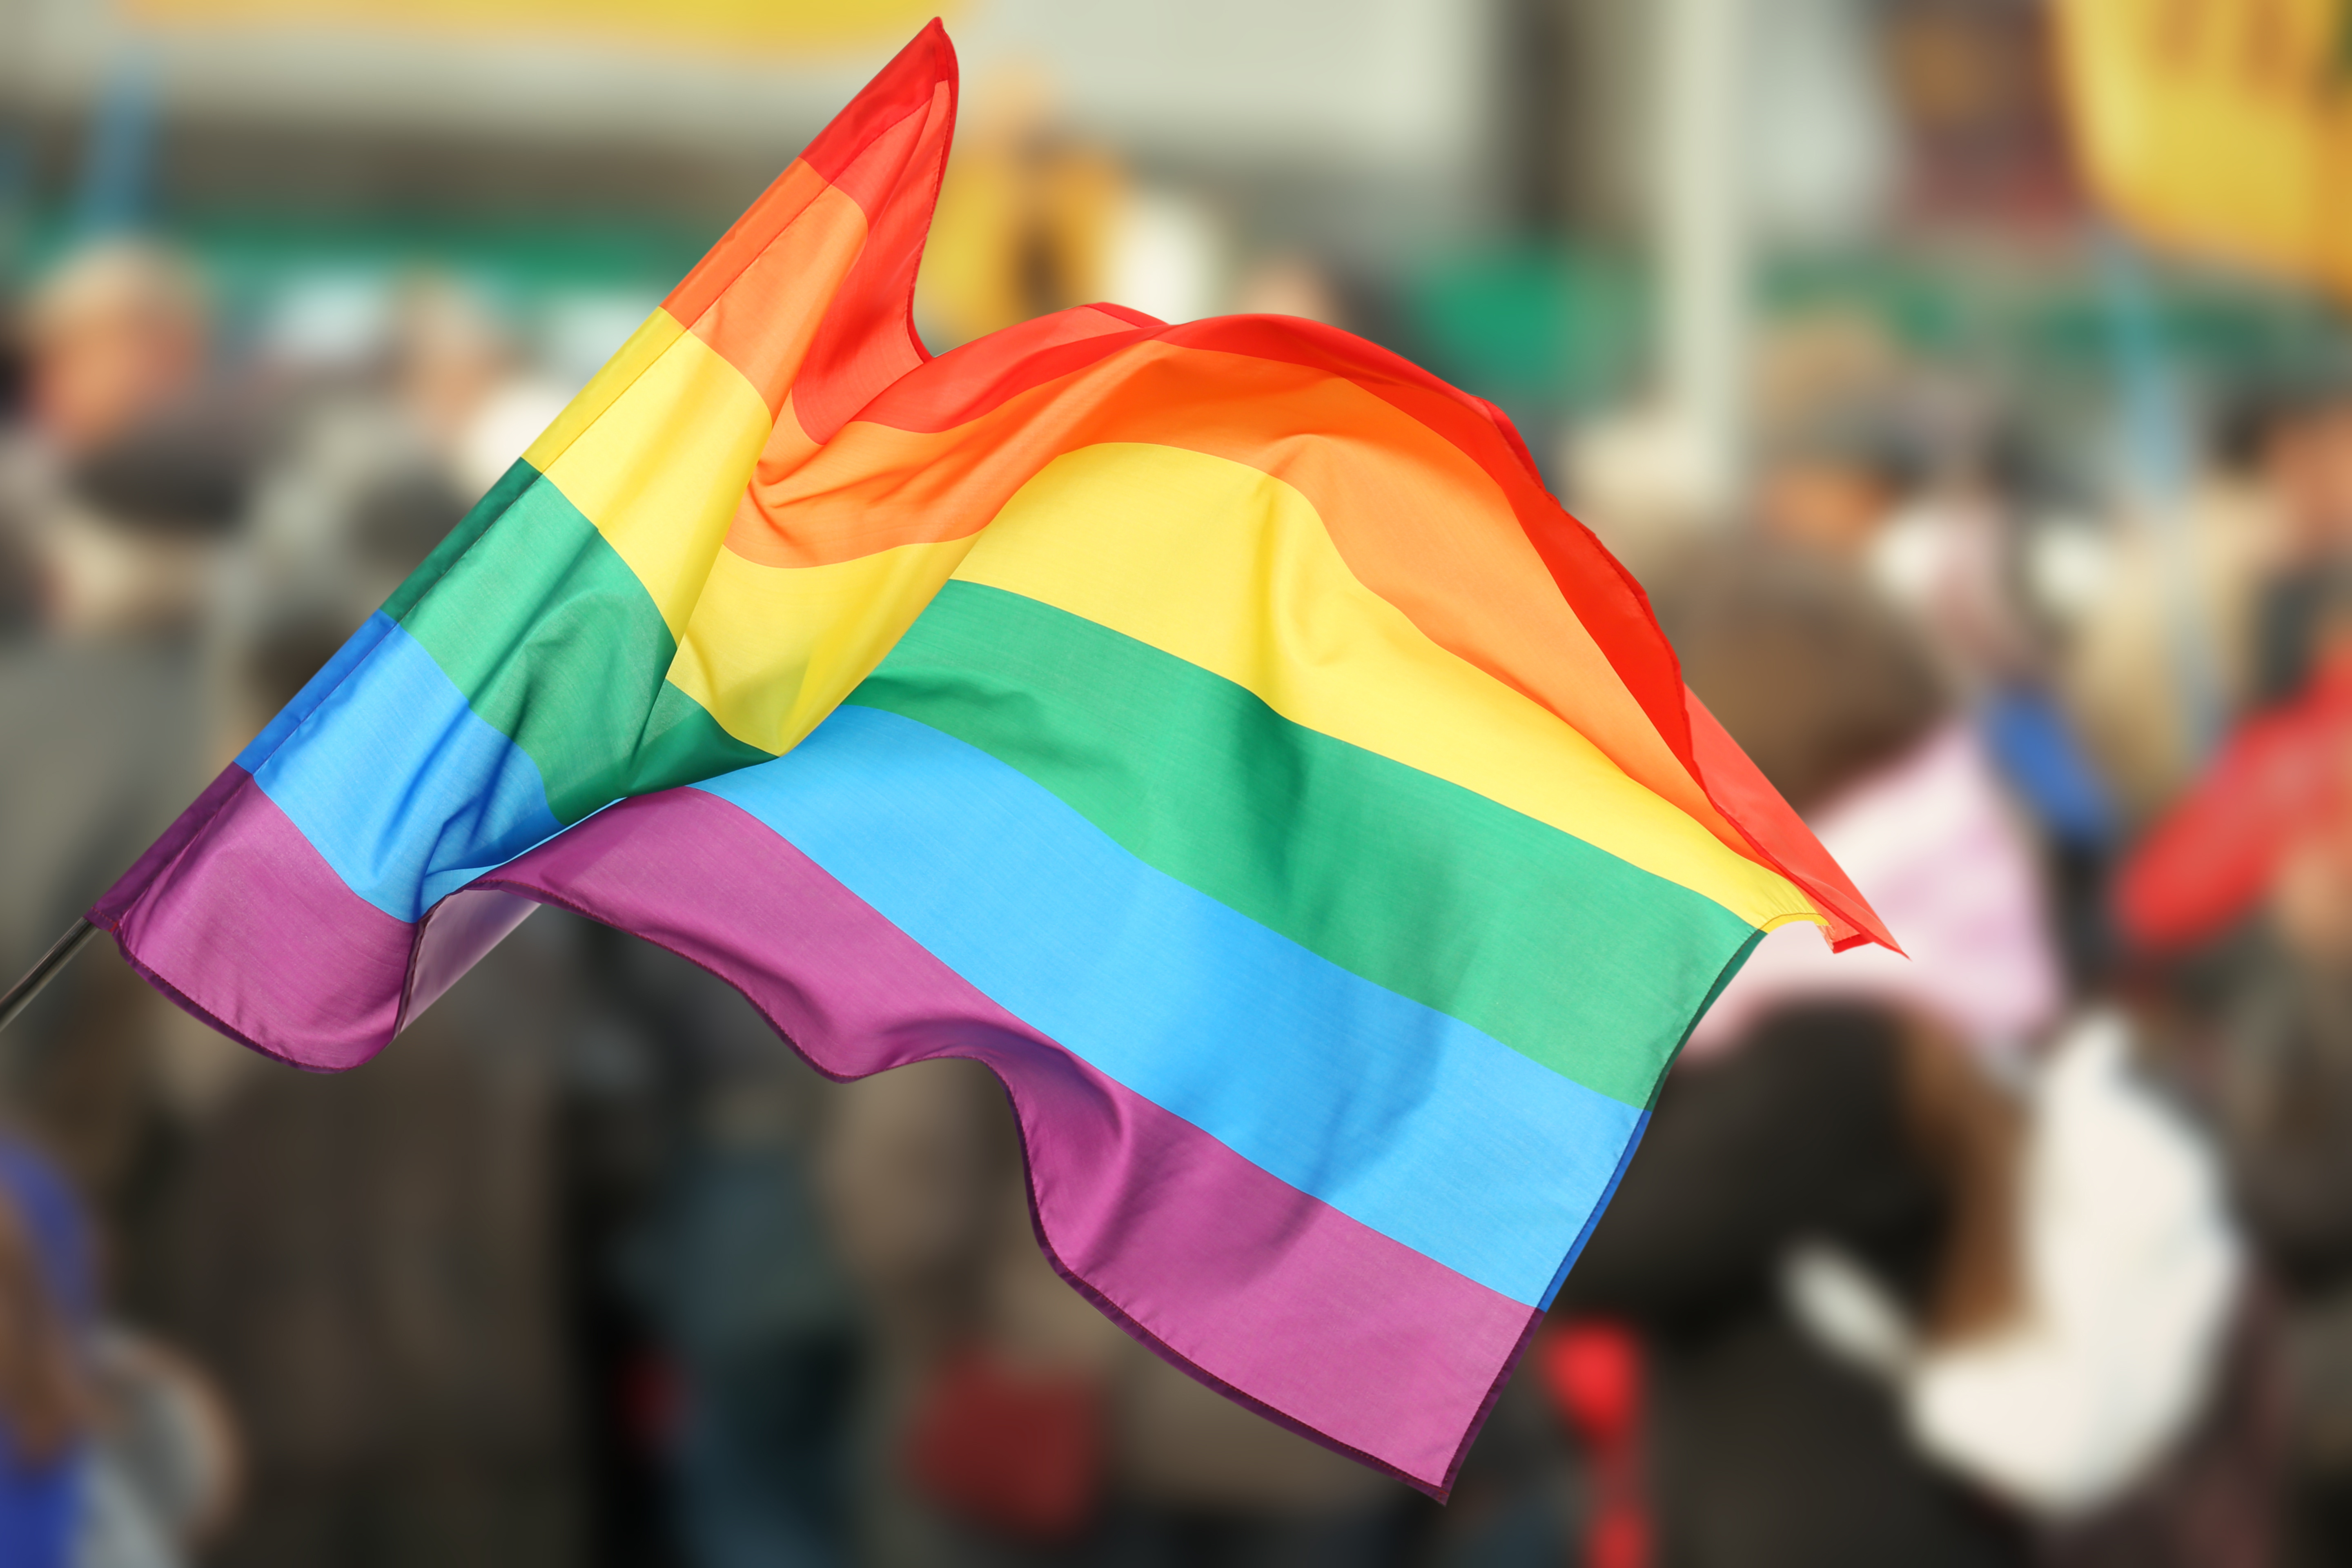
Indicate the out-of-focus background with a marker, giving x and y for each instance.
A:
(1967, 382)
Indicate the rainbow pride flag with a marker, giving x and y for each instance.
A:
(1214, 729)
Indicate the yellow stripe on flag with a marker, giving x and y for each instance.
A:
(654, 335)
(660, 470)
(770, 650)
(1231, 569)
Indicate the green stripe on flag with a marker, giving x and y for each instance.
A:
(511, 484)
(1572, 957)
(555, 642)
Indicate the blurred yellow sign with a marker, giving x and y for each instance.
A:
(761, 26)
(2224, 125)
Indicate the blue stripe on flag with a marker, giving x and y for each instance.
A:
(405, 791)
(1410, 1122)
(314, 691)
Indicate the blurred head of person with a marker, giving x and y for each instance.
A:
(2267, 826)
(1029, 215)
(1842, 704)
(115, 333)
(1830, 484)
(2291, 441)
(2312, 464)
(1289, 283)
(449, 354)
(148, 514)
(2294, 438)
(1815, 676)
(2309, 897)
(461, 378)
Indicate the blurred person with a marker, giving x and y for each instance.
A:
(113, 1453)
(1955, 560)
(135, 548)
(1637, 477)
(1837, 1126)
(116, 332)
(2300, 442)
(634, 1359)
(381, 1268)
(1859, 1240)
(375, 468)
(740, 1297)
(118, 465)
(2253, 835)
(1842, 706)
(19, 602)
(145, 465)
(1952, 558)
(2245, 888)
(2125, 1405)
(143, 460)
(1807, 1120)
(917, 1175)
(46, 1298)
(2178, 620)
(1917, 482)
(1033, 217)
(1831, 484)
(1838, 444)
(370, 1263)
(166, 1458)
(458, 373)
(1289, 283)
(132, 458)
(1026, 214)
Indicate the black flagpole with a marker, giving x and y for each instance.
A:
(20, 996)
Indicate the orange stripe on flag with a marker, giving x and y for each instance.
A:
(1384, 484)
(764, 321)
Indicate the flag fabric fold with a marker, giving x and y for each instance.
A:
(1215, 729)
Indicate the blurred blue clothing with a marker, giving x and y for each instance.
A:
(2036, 751)
(39, 1504)
(38, 1509)
(762, 1327)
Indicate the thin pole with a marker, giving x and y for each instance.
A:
(2158, 448)
(20, 996)
(1702, 237)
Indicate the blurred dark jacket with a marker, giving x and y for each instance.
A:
(370, 1264)
(101, 745)
(1765, 1451)
(2284, 1102)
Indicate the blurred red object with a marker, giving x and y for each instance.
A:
(1017, 1451)
(1592, 1368)
(2284, 779)
(652, 1402)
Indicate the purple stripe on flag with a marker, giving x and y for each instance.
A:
(109, 907)
(1231, 1273)
(244, 924)
(455, 936)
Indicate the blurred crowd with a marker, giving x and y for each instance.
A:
(2032, 1247)
(593, 1268)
